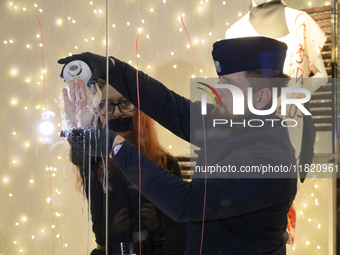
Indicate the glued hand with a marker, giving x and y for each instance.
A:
(78, 105)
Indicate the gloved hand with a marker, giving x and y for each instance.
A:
(96, 63)
(92, 140)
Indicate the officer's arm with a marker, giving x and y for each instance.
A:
(163, 105)
(183, 201)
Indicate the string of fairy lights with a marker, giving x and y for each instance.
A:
(312, 203)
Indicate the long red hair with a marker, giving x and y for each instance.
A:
(149, 146)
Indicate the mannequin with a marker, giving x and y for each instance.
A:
(271, 18)
(292, 17)
(318, 67)
(292, 31)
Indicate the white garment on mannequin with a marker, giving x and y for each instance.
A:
(298, 22)
(318, 69)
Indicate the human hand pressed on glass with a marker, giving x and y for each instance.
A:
(79, 113)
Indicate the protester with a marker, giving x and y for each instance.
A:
(159, 234)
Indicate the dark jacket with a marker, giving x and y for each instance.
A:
(242, 215)
(122, 195)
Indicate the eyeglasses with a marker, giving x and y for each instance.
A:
(124, 106)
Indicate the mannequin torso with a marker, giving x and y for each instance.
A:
(304, 39)
(292, 17)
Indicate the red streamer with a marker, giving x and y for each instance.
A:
(45, 104)
(139, 162)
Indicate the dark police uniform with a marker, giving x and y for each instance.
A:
(242, 216)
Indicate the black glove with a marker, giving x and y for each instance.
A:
(96, 63)
(92, 140)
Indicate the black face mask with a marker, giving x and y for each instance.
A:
(121, 124)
